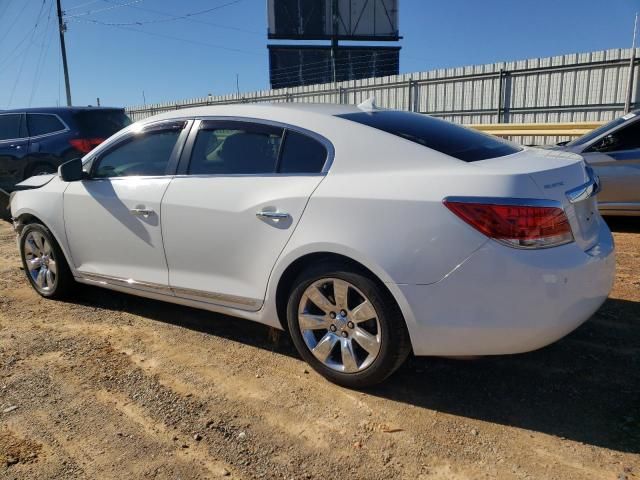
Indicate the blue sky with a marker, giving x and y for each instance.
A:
(179, 59)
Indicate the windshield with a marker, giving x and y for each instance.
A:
(586, 138)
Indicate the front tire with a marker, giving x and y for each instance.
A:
(346, 326)
(44, 263)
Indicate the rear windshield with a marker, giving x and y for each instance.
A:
(101, 123)
(445, 137)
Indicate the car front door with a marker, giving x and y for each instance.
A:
(112, 218)
(616, 159)
(240, 192)
(14, 149)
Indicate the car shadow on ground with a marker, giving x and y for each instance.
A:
(585, 387)
(624, 224)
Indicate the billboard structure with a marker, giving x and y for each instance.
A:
(292, 66)
(334, 20)
(373, 20)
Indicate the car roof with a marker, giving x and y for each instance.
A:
(57, 109)
(258, 110)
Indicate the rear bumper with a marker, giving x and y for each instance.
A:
(503, 300)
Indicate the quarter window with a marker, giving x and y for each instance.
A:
(41, 124)
(302, 154)
(239, 148)
(145, 154)
(11, 126)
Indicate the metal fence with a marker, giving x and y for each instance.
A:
(585, 87)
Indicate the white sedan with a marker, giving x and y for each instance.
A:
(366, 233)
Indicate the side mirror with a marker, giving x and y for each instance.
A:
(71, 171)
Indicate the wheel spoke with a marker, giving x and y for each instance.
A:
(52, 266)
(366, 340)
(363, 312)
(46, 248)
(340, 292)
(34, 263)
(324, 347)
(308, 321)
(320, 300)
(348, 356)
(49, 278)
(30, 246)
(40, 278)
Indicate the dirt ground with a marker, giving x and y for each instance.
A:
(114, 386)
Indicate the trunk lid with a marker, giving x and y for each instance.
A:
(556, 173)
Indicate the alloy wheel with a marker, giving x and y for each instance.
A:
(40, 261)
(339, 325)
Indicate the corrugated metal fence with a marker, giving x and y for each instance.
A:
(566, 88)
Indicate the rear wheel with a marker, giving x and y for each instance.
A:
(44, 264)
(346, 326)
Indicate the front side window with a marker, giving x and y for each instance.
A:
(445, 137)
(225, 149)
(302, 154)
(10, 126)
(143, 154)
(42, 124)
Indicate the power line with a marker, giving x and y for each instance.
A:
(155, 34)
(41, 57)
(191, 19)
(164, 20)
(33, 33)
(113, 7)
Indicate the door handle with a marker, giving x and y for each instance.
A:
(272, 215)
(141, 212)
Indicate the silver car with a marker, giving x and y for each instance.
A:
(613, 151)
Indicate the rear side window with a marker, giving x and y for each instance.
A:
(41, 124)
(445, 137)
(100, 123)
(302, 154)
(10, 126)
(226, 149)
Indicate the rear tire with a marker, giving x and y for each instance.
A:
(346, 326)
(44, 263)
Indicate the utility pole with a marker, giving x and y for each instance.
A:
(632, 62)
(334, 38)
(61, 29)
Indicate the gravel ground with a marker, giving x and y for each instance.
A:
(113, 386)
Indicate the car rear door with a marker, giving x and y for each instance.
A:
(112, 218)
(14, 149)
(240, 192)
(616, 159)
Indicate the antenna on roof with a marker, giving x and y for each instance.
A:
(369, 105)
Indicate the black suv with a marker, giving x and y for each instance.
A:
(35, 141)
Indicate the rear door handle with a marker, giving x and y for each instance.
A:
(272, 215)
(141, 212)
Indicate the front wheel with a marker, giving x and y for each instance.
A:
(44, 263)
(346, 326)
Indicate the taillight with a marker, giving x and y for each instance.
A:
(516, 225)
(85, 145)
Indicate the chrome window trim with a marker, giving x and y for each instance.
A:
(221, 299)
(520, 202)
(272, 123)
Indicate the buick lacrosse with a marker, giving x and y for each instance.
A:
(365, 233)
